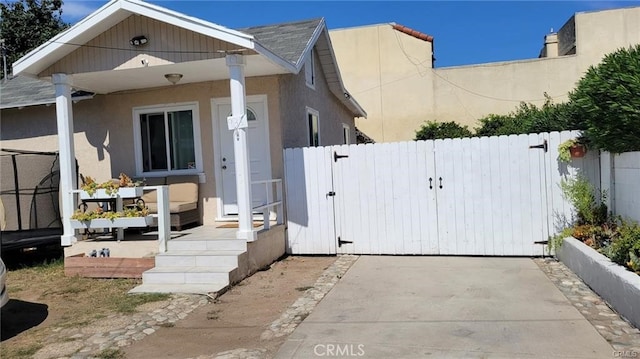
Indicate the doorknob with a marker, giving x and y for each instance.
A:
(224, 167)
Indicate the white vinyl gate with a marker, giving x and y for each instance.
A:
(475, 196)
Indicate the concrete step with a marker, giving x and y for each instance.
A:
(187, 275)
(179, 288)
(207, 245)
(195, 258)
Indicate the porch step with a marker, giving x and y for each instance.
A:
(195, 258)
(179, 288)
(187, 275)
(207, 245)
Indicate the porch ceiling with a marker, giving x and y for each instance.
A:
(104, 82)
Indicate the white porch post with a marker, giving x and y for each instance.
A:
(238, 124)
(68, 176)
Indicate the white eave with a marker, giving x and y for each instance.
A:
(116, 11)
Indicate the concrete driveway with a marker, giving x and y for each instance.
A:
(445, 307)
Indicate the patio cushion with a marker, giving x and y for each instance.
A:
(174, 207)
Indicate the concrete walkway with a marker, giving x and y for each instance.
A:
(445, 307)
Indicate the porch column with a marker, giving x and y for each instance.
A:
(68, 176)
(237, 123)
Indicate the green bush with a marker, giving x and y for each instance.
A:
(432, 130)
(582, 195)
(626, 246)
(606, 101)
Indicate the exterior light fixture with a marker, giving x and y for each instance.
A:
(138, 40)
(173, 78)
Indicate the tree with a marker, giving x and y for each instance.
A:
(433, 130)
(606, 100)
(26, 24)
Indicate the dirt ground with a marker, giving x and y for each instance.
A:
(42, 298)
(238, 317)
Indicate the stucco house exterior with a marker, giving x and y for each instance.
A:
(147, 91)
(389, 68)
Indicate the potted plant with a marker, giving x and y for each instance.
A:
(123, 187)
(573, 148)
(130, 217)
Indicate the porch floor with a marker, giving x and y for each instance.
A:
(141, 245)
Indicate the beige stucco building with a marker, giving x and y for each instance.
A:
(390, 70)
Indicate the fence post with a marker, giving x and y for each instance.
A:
(607, 179)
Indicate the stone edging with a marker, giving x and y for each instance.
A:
(619, 287)
(302, 307)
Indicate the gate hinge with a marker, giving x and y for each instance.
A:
(543, 146)
(341, 242)
(331, 194)
(336, 156)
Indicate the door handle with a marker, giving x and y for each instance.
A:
(430, 185)
(440, 179)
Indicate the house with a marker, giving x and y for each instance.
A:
(139, 89)
(164, 94)
(389, 68)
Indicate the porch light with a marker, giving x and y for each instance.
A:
(138, 40)
(173, 78)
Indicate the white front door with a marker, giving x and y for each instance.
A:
(259, 155)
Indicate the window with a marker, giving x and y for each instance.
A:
(309, 70)
(166, 140)
(346, 134)
(313, 127)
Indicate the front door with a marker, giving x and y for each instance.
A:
(259, 155)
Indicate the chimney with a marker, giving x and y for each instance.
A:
(551, 45)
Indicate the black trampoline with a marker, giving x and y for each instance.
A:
(29, 198)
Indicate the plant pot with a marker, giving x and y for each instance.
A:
(577, 151)
(123, 222)
(124, 192)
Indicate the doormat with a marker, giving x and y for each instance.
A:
(235, 225)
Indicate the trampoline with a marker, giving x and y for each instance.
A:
(29, 198)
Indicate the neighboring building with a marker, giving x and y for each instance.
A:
(156, 96)
(389, 68)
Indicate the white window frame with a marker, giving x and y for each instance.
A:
(346, 134)
(137, 137)
(311, 111)
(310, 70)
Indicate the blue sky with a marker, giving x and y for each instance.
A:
(465, 32)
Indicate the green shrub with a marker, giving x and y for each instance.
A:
(606, 100)
(582, 195)
(626, 246)
(432, 130)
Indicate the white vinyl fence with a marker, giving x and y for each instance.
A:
(474, 196)
(622, 171)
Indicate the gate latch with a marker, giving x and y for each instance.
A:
(543, 146)
(331, 194)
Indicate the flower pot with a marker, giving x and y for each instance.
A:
(577, 151)
(121, 222)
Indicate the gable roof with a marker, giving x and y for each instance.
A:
(286, 45)
(287, 40)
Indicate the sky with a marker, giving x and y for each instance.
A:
(465, 32)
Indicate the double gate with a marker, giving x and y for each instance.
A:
(494, 196)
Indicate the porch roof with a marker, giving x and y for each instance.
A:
(273, 49)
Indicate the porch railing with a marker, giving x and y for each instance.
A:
(273, 190)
